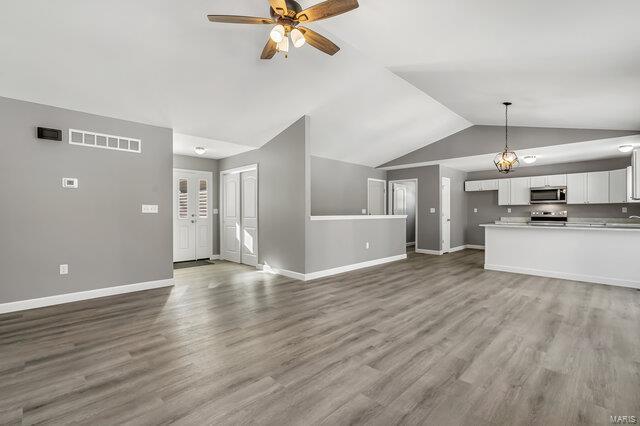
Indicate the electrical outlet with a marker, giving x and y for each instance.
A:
(364, 211)
(509, 210)
(215, 211)
(624, 210)
(475, 210)
(432, 210)
(367, 245)
(64, 269)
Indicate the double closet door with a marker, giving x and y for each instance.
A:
(192, 223)
(239, 221)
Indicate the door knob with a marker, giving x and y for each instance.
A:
(193, 221)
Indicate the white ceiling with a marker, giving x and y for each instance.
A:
(574, 63)
(162, 63)
(557, 154)
(569, 63)
(186, 144)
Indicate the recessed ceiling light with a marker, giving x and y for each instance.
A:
(529, 159)
(625, 148)
(200, 150)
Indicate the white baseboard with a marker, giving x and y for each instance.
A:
(214, 257)
(452, 250)
(353, 267)
(283, 272)
(59, 299)
(564, 276)
(332, 271)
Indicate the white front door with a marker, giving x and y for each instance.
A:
(376, 194)
(249, 208)
(446, 214)
(230, 241)
(192, 224)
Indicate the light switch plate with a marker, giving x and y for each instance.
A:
(364, 211)
(509, 210)
(624, 210)
(367, 245)
(432, 210)
(215, 211)
(150, 208)
(475, 210)
(64, 269)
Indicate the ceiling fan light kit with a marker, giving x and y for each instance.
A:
(287, 15)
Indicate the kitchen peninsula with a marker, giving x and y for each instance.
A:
(605, 253)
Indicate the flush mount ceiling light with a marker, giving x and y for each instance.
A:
(529, 159)
(287, 16)
(506, 160)
(200, 150)
(625, 148)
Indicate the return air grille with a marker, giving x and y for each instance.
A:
(99, 140)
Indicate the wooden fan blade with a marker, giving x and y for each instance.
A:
(319, 42)
(326, 9)
(234, 19)
(279, 6)
(269, 49)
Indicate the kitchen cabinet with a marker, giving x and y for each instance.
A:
(630, 198)
(481, 185)
(552, 180)
(618, 186)
(504, 192)
(598, 187)
(577, 188)
(520, 191)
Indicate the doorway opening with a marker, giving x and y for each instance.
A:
(192, 215)
(239, 215)
(403, 199)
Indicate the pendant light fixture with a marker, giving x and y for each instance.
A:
(506, 160)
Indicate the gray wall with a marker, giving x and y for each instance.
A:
(340, 188)
(281, 196)
(459, 219)
(428, 196)
(487, 201)
(205, 165)
(97, 229)
(477, 140)
(337, 243)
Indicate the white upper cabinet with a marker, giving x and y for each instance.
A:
(504, 192)
(481, 185)
(557, 180)
(598, 187)
(520, 191)
(577, 188)
(618, 186)
(552, 180)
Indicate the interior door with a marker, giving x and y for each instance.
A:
(192, 215)
(249, 208)
(376, 191)
(399, 198)
(230, 242)
(184, 229)
(446, 214)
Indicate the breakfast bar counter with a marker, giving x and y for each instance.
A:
(595, 253)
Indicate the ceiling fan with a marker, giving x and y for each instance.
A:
(287, 15)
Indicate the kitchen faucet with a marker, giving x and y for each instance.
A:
(634, 217)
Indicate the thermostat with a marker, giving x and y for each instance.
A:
(69, 182)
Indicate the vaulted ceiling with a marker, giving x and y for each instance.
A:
(410, 72)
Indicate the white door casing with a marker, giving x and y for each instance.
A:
(192, 215)
(230, 212)
(249, 208)
(376, 196)
(446, 215)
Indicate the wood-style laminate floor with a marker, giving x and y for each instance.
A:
(430, 340)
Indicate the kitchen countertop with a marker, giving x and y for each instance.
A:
(596, 226)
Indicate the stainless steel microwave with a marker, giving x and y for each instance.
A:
(549, 195)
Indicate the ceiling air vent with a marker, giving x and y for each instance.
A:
(99, 140)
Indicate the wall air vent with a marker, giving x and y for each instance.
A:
(99, 140)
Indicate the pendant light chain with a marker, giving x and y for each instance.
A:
(506, 126)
